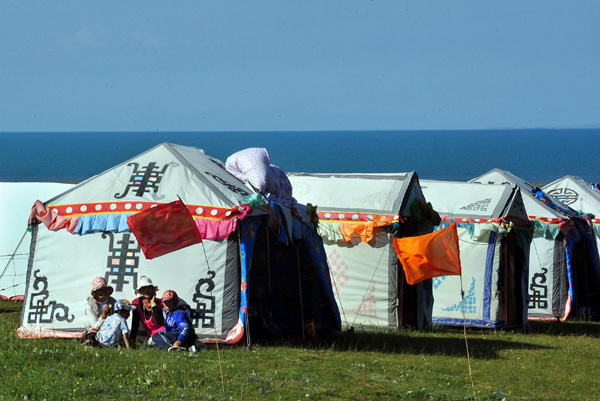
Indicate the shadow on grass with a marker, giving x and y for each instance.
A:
(568, 328)
(11, 306)
(421, 343)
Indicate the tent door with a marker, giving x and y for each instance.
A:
(407, 295)
(512, 263)
(586, 304)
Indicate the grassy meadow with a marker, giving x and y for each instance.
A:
(555, 361)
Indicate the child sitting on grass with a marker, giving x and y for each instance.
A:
(115, 329)
(99, 305)
(179, 332)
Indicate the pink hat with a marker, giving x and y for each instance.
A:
(99, 283)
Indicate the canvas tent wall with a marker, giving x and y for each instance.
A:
(564, 272)
(494, 234)
(215, 278)
(579, 195)
(356, 215)
(16, 199)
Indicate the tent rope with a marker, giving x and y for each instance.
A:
(462, 295)
(11, 286)
(216, 336)
(383, 249)
(11, 260)
(537, 254)
(377, 237)
(12, 256)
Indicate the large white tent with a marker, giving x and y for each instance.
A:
(579, 195)
(564, 272)
(494, 234)
(247, 266)
(358, 216)
(16, 200)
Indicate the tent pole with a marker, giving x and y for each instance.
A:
(300, 293)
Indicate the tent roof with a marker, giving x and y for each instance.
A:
(534, 206)
(474, 200)
(367, 193)
(576, 193)
(159, 175)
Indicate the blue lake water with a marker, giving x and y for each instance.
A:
(538, 156)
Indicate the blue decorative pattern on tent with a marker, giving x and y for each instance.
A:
(469, 302)
(569, 255)
(437, 281)
(469, 322)
(248, 229)
(487, 283)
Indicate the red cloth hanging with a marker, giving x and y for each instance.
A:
(164, 229)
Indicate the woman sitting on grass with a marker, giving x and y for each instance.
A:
(148, 312)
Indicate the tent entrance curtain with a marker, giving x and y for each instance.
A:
(275, 300)
(512, 262)
(285, 295)
(586, 303)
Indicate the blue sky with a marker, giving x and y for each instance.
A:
(298, 65)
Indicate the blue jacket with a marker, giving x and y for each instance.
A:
(178, 321)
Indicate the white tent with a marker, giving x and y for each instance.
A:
(579, 195)
(16, 199)
(563, 264)
(222, 279)
(494, 234)
(357, 214)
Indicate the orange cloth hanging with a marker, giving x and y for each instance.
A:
(364, 229)
(430, 255)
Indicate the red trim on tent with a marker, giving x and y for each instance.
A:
(352, 217)
(553, 220)
(91, 208)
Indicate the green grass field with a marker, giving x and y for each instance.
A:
(556, 361)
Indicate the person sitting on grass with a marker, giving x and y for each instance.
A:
(114, 330)
(99, 306)
(149, 315)
(179, 332)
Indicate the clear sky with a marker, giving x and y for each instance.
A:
(272, 65)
